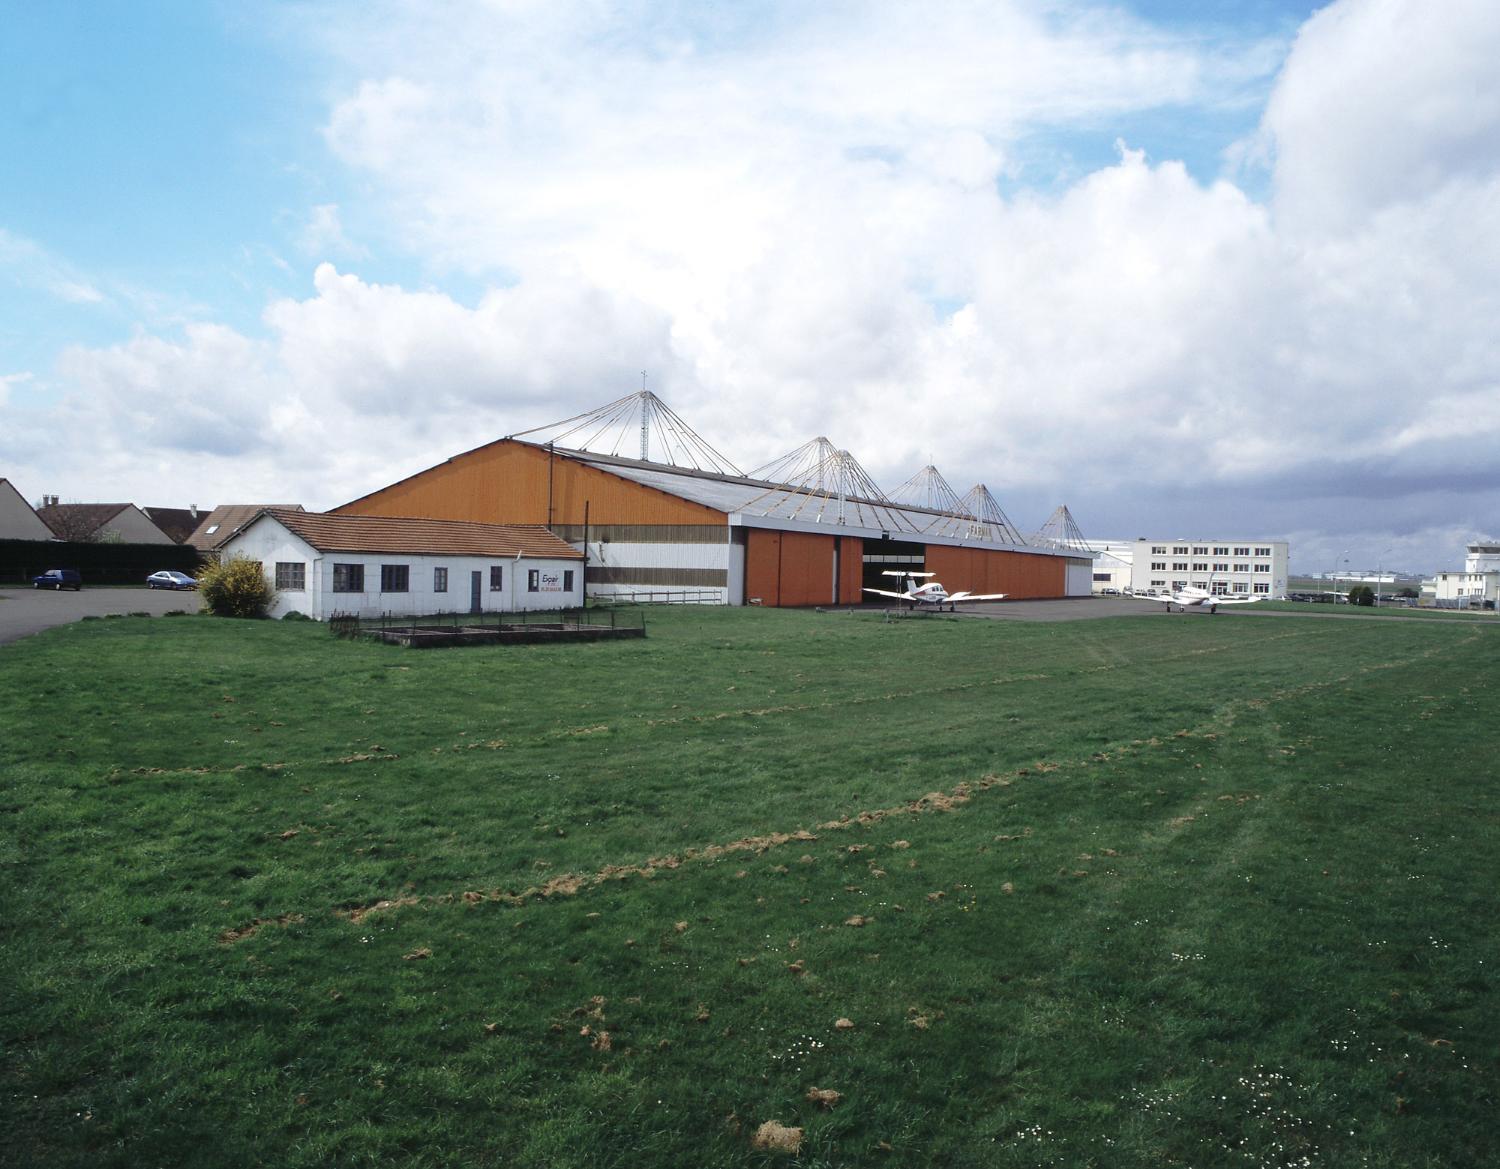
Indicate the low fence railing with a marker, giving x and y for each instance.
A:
(660, 597)
(355, 625)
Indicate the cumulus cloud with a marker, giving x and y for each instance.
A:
(828, 220)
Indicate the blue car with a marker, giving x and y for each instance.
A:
(170, 580)
(59, 579)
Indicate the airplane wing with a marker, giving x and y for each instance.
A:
(963, 596)
(1236, 600)
(887, 593)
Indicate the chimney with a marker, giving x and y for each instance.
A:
(193, 510)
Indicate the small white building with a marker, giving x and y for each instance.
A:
(1113, 565)
(322, 565)
(1463, 590)
(1225, 567)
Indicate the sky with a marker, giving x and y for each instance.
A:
(1224, 268)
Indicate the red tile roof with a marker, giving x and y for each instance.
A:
(228, 518)
(418, 537)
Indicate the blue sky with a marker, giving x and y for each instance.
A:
(1117, 244)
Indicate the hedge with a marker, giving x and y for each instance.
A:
(98, 564)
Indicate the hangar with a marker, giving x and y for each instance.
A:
(812, 529)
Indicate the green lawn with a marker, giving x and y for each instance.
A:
(1120, 893)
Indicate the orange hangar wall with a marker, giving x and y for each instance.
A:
(979, 570)
(508, 482)
(802, 568)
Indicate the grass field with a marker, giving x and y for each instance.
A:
(1116, 893)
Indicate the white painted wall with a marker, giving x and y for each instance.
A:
(269, 542)
(1080, 578)
(133, 526)
(17, 520)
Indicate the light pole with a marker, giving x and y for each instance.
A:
(1335, 573)
(1380, 573)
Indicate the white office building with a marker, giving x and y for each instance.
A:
(1228, 568)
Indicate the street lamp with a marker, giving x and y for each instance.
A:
(1335, 573)
(1380, 573)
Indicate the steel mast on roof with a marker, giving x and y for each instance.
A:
(818, 481)
(1060, 531)
(991, 523)
(642, 414)
(928, 490)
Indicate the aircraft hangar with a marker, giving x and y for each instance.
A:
(811, 529)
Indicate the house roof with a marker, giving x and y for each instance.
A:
(32, 528)
(418, 537)
(71, 521)
(177, 522)
(228, 518)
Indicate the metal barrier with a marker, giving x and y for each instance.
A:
(661, 597)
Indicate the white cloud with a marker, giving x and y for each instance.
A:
(795, 225)
(32, 266)
(323, 235)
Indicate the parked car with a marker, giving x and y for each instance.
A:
(170, 580)
(59, 579)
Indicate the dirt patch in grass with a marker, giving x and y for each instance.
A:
(229, 937)
(775, 1137)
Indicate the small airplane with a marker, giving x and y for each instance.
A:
(931, 593)
(1193, 597)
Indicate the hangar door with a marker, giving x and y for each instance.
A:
(801, 568)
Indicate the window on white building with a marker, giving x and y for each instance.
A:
(1262, 587)
(1263, 552)
(291, 576)
(1200, 550)
(1262, 568)
(395, 578)
(1221, 551)
(1242, 552)
(348, 578)
(440, 580)
(1224, 567)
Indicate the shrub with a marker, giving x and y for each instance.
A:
(236, 587)
(1361, 595)
(293, 615)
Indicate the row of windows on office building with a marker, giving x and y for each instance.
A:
(1203, 566)
(1203, 550)
(291, 577)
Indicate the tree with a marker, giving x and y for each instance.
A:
(236, 587)
(1362, 595)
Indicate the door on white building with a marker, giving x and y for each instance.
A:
(476, 594)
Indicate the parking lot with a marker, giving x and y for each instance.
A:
(24, 611)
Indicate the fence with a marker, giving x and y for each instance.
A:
(660, 597)
(386, 626)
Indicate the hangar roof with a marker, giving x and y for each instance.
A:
(753, 498)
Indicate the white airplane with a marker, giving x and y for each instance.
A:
(931, 593)
(1193, 597)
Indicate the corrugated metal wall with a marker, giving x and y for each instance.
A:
(979, 570)
(512, 483)
(803, 568)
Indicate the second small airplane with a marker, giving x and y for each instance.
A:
(1196, 598)
(931, 594)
